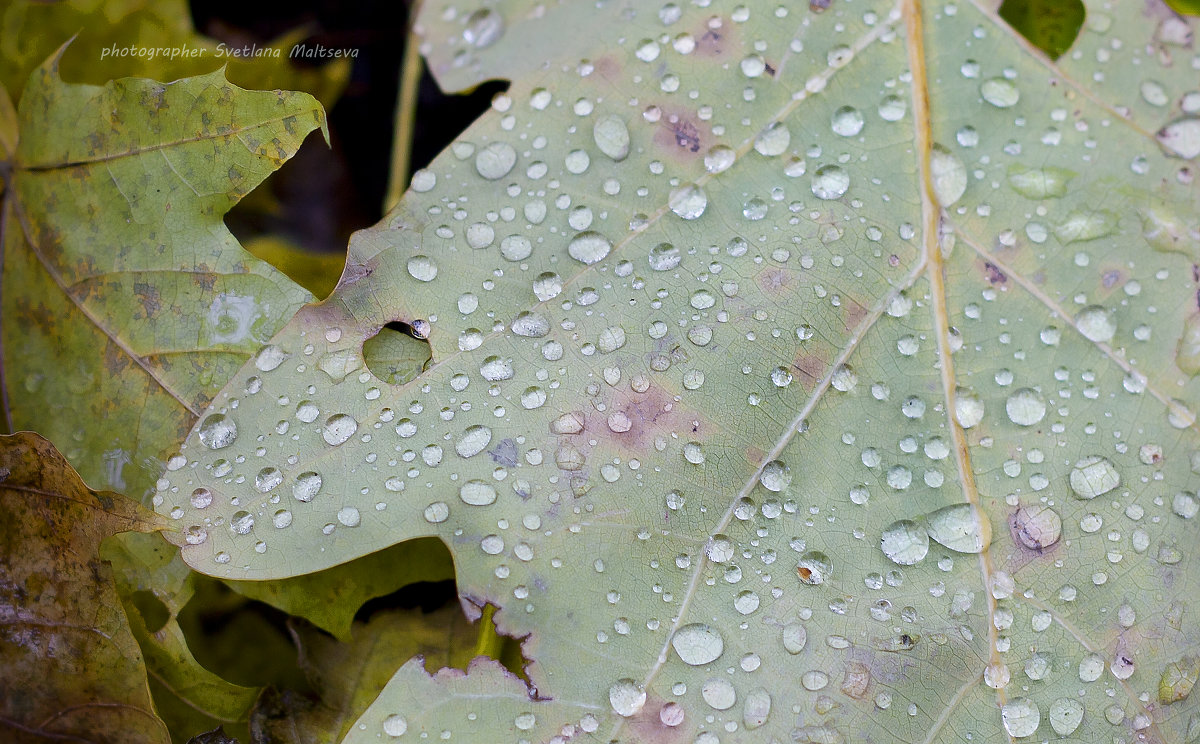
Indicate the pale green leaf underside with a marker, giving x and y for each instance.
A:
(943, 282)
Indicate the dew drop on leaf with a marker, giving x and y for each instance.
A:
(698, 644)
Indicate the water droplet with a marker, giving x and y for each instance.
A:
(267, 479)
(795, 637)
(689, 202)
(719, 158)
(1181, 137)
(612, 137)
(484, 28)
(349, 516)
(217, 431)
(968, 408)
(437, 512)
(960, 527)
(698, 644)
(474, 440)
(773, 140)
(495, 160)
(718, 693)
(905, 542)
(494, 369)
(626, 697)
(1037, 526)
(269, 357)
(530, 325)
(338, 428)
(516, 248)
(1065, 715)
(201, 498)
(949, 175)
(775, 476)
(999, 92)
(589, 247)
(830, 182)
(1047, 182)
(664, 257)
(1020, 717)
(1025, 407)
(1096, 323)
(756, 708)
(422, 268)
(1094, 476)
(306, 486)
(395, 725)
(241, 522)
(547, 286)
(847, 121)
(814, 567)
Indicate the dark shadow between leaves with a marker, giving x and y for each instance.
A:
(1050, 25)
(398, 352)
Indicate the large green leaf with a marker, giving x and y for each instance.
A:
(796, 375)
(127, 303)
(72, 670)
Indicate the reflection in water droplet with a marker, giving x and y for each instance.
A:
(719, 158)
(949, 175)
(795, 637)
(968, 408)
(718, 693)
(814, 567)
(847, 121)
(1037, 526)
(267, 479)
(495, 160)
(473, 441)
(395, 725)
(422, 268)
(775, 476)
(217, 431)
(773, 140)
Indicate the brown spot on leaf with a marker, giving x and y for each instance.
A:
(852, 314)
(811, 367)
(681, 134)
(647, 726)
(773, 280)
(993, 273)
(148, 295)
(819, 6)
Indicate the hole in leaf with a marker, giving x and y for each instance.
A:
(397, 353)
(154, 613)
(1050, 25)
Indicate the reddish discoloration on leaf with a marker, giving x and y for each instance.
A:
(811, 367)
(774, 281)
(853, 314)
(647, 727)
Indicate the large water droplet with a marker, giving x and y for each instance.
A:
(1065, 715)
(495, 160)
(422, 268)
(698, 644)
(718, 693)
(612, 137)
(847, 121)
(775, 476)
(664, 257)
(338, 428)
(1094, 476)
(756, 708)
(999, 92)
(1025, 407)
(1020, 717)
(218, 431)
(267, 479)
(589, 247)
(626, 697)
(960, 527)
(473, 441)
(949, 175)
(905, 542)
(1037, 526)
(968, 408)
(719, 158)
(795, 637)
(306, 486)
(1181, 137)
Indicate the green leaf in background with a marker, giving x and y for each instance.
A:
(1050, 25)
(329, 599)
(796, 376)
(349, 676)
(189, 698)
(126, 301)
(72, 669)
(100, 29)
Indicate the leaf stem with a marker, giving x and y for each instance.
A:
(406, 112)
